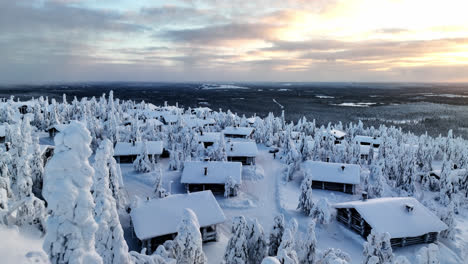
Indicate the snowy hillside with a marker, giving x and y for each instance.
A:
(100, 180)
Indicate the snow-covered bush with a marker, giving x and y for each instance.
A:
(428, 255)
(230, 187)
(143, 163)
(333, 256)
(159, 190)
(321, 211)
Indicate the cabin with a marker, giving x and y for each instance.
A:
(209, 138)
(338, 135)
(127, 152)
(211, 175)
(241, 151)
(169, 119)
(338, 177)
(406, 220)
(238, 132)
(195, 122)
(55, 129)
(2, 133)
(156, 220)
(368, 141)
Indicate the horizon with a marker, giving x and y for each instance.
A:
(359, 41)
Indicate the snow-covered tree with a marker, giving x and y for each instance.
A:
(230, 187)
(237, 247)
(333, 256)
(110, 242)
(286, 251)
(71, 227)
(402, 260)
(143, 163)
(276, 235)
(270, 260)
(188, 243)
(305, 199)
(37, 169)
(116, 182)
(310, 245)
(256, 241)
(375, 186)
(159, 190)
(428, 255)
(378, 246)
(321, 211)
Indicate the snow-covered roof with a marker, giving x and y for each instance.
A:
(126, 148)
(241, 149)
(338, 133)
(333, 172)
(251, 120)
(454, 174)
(241, 131)
(217, 172)
(364, 149)
(209, 137)
(153, 121)
(190, 121)
(59, 127)
(160, 217)
(367, 139)
(391, 215)
(170, 118)
(2, 130)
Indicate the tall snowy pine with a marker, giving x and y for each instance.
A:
(110, 242)
(67, 182)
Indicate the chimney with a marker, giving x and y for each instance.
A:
(206, 171)
(364, 196)
(201, 132)
(409, 207)
(342, 167)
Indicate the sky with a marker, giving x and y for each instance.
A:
(44, 41)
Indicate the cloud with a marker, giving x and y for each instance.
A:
(219, 33)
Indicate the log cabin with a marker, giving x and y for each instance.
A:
(406, 220)
(339, 177)
(210, 175)
(127, 152)
(242, 151)
(155, 221)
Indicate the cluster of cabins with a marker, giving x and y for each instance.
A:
(406, 220)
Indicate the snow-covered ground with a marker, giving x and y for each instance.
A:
(264, 197)
(21, 247)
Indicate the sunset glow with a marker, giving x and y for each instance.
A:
(293, 40)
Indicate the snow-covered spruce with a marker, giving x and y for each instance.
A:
(256, 241)
(68, 178)
(321, 211)
(276, 235)
(143, 163)
(110, 242)
(333, 256)
(159, 191)
(305, 199)
(378, 248)
(237, 251)
(188, 243)
(309, 247)
(428, 255)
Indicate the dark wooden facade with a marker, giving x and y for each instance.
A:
(215, 188)
(353, 220)
(243, 160)
(209, 234)
(333, 186)
(132, 158)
